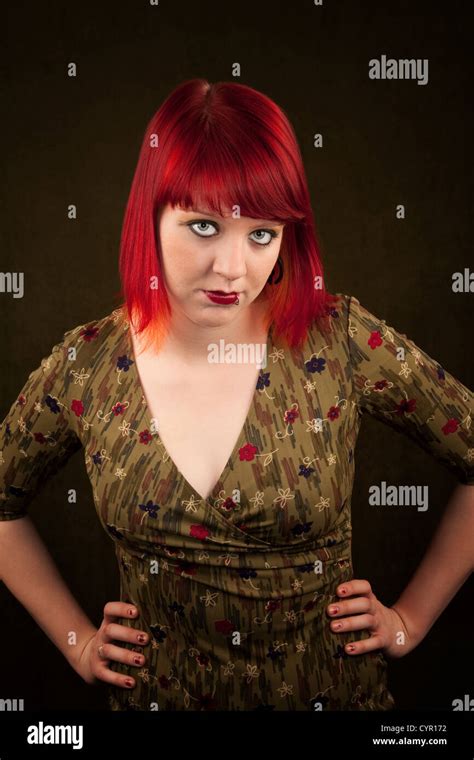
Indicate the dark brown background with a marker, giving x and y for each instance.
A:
(385, 142)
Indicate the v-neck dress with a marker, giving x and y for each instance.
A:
(233, 589)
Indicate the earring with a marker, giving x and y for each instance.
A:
(272, 273)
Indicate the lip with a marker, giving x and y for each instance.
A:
(223, 292)
(221, 296)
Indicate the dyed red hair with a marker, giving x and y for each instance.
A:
(214, 146)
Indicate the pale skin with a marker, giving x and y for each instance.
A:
(230, 259)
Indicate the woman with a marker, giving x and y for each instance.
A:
(219, 408)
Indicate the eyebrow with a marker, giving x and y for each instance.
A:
(209, 213)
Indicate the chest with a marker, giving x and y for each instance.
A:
(199, 416)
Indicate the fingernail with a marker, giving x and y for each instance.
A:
(350, 647)
(141, 638)
(129, 683)
(333, 610)
(132, 611)
(342, 590)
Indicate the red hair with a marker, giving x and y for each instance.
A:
(215, 146)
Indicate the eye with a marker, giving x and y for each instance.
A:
(272, 234)
(201, 224)
(202, 232)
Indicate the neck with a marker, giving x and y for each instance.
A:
(188, 343)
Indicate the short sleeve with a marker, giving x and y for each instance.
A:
(38, 435)
(398, 383)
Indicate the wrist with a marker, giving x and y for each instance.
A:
(74, 651)
(414, 631)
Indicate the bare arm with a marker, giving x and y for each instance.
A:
(446, 565)
(28, 571)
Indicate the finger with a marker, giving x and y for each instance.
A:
(355, 623)
(355, 586)
(120, 632)
(119, 654)
(116, 679)
(349, 607)
(113, 610)
(364, 645)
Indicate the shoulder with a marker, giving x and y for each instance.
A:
(328, 331)
(86, 354)
(91, 337)
(334, 320)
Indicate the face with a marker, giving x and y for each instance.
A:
(202, 251)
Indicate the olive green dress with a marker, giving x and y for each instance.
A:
(233, 589)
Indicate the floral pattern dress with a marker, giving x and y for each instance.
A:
(233, 589)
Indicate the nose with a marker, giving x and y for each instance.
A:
(229, 262)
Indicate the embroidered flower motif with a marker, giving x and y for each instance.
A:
(257, 500)
(301, 528)
(375, 339)
(89, 333)
(224, 626)
(315, 425)
(210, 598)
(199, 531)
(202, 660)
(272, 605)
(77, 407)
(79, 377)
(291, 414)
(164, 682)
(229, 504)
(263, 380)
(450, 426)
(229, 668)
(124, 363)
(228, 557)
(52, 403)
(322, 504)
(285, 689)
(283, 496)
(251, 673)
(334, 412)
(315, 364)
(247, 452)
(145, 437)
(191, 505)
(149, 509)
(406, 406)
